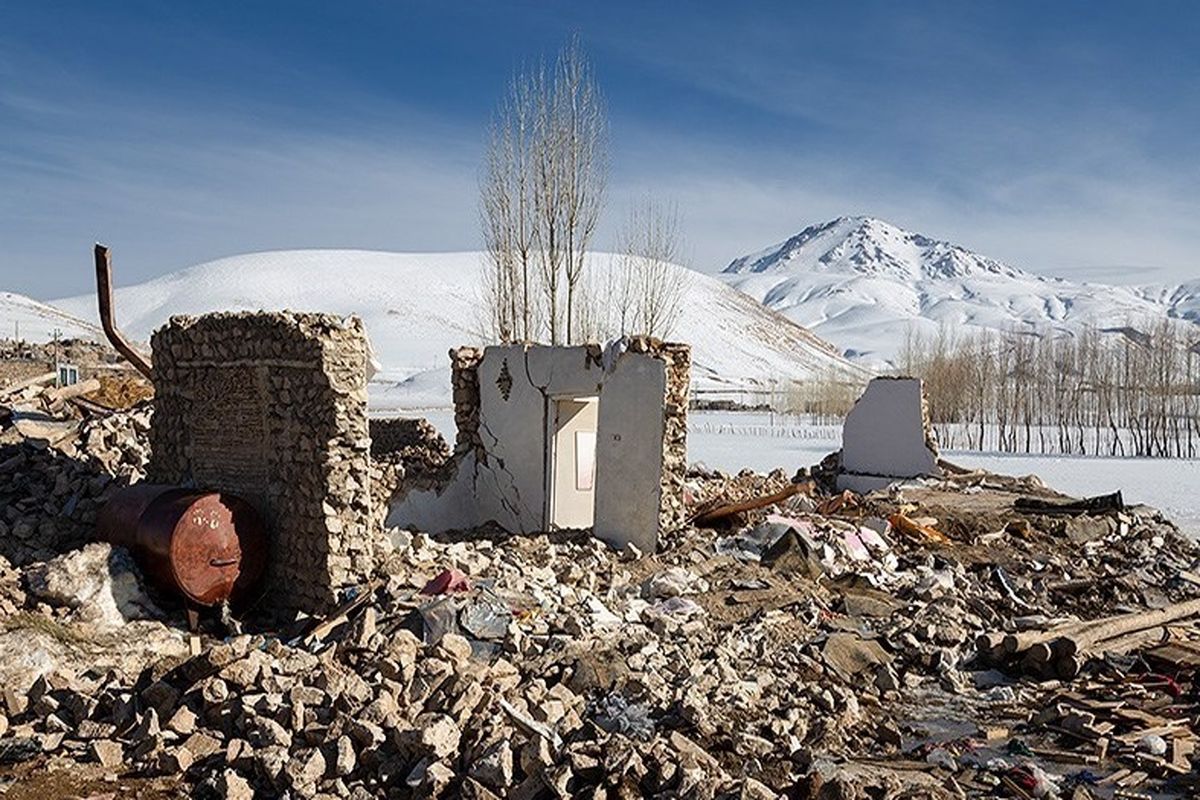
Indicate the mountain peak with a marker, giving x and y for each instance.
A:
(869, 246)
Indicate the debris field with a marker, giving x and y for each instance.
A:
(964, 635)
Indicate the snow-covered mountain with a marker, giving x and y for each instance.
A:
(417, 306)
(864, 284)
(23, 317)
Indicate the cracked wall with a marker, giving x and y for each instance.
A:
(503, 396)
(273, 407)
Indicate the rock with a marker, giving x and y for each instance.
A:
(435, 734)
(108, 753)
(886, 679)
(232, 786)
(176, 760)
(849, 654)
(494, 767)
(430, 778)
(455, 648)
(305, 769)
(201, 745)
(266, 732)
(755, 790)
(346, 758)
(183, 721)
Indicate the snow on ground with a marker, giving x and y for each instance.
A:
(417, 306)
(731, 441)
(1167, 484)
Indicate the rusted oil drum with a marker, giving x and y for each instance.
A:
(207, 547)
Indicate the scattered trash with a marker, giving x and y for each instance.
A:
(672, 582)
(486, 617)
(615, 714)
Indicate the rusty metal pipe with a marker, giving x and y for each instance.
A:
(108, 320)
(206, 547)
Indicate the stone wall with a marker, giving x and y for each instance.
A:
(406, 453)
(273, 407)
(678, 361)
(464, 382)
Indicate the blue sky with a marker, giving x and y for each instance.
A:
(1061, 137)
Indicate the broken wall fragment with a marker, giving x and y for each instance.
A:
(272, 407)
(620, 420)
(887, 436)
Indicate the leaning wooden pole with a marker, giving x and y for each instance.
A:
(104, 294)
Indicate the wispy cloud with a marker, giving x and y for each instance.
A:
(754, 125)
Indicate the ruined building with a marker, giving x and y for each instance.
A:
(563, 437)
(272, 407)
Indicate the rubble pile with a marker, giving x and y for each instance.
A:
(49, 496)
(961, 635)
(809, 653)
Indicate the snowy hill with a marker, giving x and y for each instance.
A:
(864, 284)
(23, 317)
(417, 306)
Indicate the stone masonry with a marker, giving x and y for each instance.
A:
(678, 361)
(273, 407)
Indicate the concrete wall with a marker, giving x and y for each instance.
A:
(503, 398)
(887, 436)
(273, 407)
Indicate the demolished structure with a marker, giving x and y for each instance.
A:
(962, 635)
(272, 407)
(563, 437)
(887, 437)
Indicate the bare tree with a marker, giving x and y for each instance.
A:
(507, 208)
(580, 138)
(541, 193)
(653, 286)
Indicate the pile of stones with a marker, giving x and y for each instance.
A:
(49, 496)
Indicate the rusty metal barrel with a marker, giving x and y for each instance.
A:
(207, 547)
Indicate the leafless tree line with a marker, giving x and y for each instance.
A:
(541, 193)
(1120, 392)
(642, 290)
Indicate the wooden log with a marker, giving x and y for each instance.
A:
(730, 509)
(55, 396)
(1079, 640)
(1021, 641)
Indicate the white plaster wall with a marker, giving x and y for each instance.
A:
(510, 488)
(629, 453)
(884, 433)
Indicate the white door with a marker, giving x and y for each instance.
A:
(573, 462)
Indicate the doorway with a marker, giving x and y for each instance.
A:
(571, 445)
